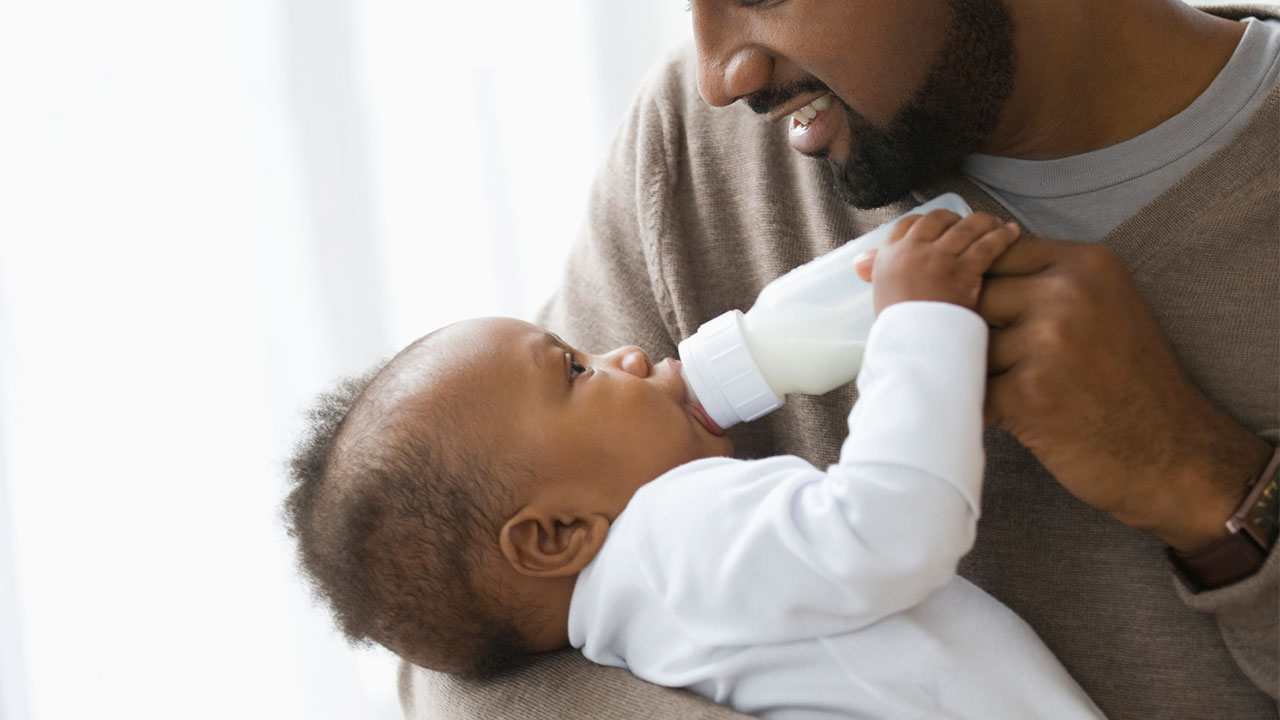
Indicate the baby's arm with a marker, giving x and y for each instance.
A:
(776, 550)
(915, 435)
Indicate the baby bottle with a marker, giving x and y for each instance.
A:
(804, 334)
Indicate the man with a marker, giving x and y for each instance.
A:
(1135, 386)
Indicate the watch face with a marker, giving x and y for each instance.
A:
(1262, 518)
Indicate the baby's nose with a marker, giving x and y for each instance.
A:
(633, 360)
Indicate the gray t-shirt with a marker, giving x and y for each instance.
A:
(1084, 197)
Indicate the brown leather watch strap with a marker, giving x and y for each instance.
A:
(1229, 560)
(1253, 533)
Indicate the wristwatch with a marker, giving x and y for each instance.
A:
(1253, 529)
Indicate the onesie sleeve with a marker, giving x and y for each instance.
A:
(776, 550)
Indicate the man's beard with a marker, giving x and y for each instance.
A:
(951, 116)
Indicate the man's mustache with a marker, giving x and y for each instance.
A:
(766, 100)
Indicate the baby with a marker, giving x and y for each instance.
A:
(493, 493)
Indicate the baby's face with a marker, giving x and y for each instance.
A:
(609, 423)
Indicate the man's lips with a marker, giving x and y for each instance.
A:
(813, 136)
(696, 408)
(812, 121)
(795, 106)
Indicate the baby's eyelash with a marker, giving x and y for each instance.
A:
(575, 368)
(688, 6)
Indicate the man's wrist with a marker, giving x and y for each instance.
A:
(1248, 536)
(1206, 486)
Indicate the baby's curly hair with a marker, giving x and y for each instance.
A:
(389, 508)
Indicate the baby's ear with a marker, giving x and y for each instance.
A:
(541, 544)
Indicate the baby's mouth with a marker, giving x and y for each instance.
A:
(705, 419)
(692, 402)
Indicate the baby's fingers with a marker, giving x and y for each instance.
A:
(901, 228)
(863, 264)
(959, 236)
(983, 252)
(925, 228)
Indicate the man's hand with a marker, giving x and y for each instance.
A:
(1083, 376)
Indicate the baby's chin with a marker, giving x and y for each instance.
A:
(723, 447)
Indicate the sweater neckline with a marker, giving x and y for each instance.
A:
(1166, 217)
(1215, 109)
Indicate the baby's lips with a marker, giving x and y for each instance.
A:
(698, 411)
(711, 425)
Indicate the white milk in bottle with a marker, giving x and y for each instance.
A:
(804, 334)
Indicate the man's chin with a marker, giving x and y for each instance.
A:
(865, 189)
(864, 177)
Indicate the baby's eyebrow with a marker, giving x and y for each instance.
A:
(540, 353)
(539, 349)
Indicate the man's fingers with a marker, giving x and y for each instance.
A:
(1005, 349)
(1028, 256)
(996, 403)
(1004, 300)
(1006, 397)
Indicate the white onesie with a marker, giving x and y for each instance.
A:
(786, 592)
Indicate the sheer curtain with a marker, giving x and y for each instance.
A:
(208, 212)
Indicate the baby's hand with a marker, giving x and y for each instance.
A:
(938, 257)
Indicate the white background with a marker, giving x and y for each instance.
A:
(208, 212)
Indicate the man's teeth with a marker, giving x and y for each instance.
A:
(806, 114)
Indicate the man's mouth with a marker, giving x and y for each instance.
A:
(812, 128)
(802, 117)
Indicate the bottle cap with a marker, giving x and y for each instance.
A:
(722, 373)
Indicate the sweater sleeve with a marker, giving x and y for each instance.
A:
(1248, 615)
(775, 550)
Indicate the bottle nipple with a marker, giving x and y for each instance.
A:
(689, 395)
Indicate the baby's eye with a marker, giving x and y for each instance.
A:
(575, 368)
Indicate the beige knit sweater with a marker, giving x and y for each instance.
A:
(697, 208)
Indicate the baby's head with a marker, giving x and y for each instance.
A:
(444, 505)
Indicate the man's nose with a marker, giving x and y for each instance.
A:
(728, 67)
(630, 359)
